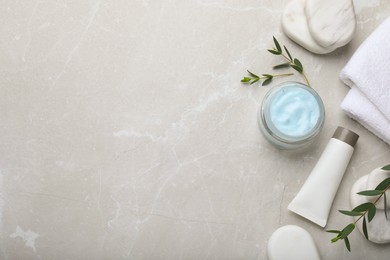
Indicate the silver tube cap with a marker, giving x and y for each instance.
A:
(345, 135)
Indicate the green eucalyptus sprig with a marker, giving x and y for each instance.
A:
(365, 211)
(291, 62)
(266, 77)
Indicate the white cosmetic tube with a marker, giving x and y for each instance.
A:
(315, 198)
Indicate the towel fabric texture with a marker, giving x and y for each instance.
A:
(367, 73)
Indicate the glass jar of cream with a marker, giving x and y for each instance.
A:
(291, 115)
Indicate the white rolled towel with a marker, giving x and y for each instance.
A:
(367, 73)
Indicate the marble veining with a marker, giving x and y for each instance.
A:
(126, 134)
(294, 23)
(27, 236)
(332, 22)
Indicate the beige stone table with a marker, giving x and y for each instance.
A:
(125, 132)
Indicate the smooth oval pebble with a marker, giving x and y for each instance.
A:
(293, 243)
(374, 178)
(378, 229)
(331, 22)
(295, 26)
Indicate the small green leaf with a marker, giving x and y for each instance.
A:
(365, 228)
(350, 213)
(334, 231)
(371, 213)
(298, 63)
(386, 168)
(288, 53)
(274, 52)
(335, 239)
(253, 74)
(253, 82)
(363, 207)
(385, 204)
(297, 68)
(347, 230)
(383, 185)
(277, 45)
(347, 244)
(370, 192)
(267, 81)
(267, 75)
(281, 66)
(246, 79)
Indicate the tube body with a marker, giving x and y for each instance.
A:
(315, 198)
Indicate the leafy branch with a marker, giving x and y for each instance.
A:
(366, 211)
(266, 77)
(291, 62)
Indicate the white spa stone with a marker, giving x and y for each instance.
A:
(379, 227)
(331, 23)
(374, 178)
(293, 243)
(295, 26)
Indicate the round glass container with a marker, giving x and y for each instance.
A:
(291, 115)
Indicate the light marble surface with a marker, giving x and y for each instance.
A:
(126, 134)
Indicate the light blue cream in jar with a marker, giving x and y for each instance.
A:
(291, 115)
